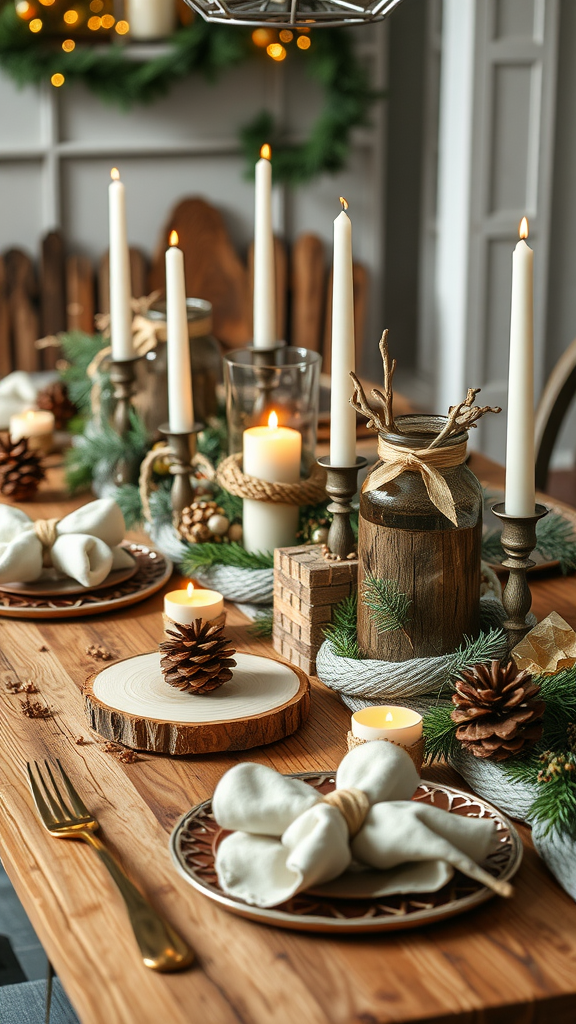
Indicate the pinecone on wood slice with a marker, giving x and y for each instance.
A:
(55, 399)
(197, 658)
(20, 469)
(497, 710)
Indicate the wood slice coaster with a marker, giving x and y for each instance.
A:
(153, 570)
(130, 702)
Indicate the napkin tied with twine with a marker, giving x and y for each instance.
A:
(287, 837)
(427, 462)
(84, 545)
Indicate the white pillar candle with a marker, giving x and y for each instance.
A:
(32, 423)
(520, 488)
(342, 415)
(150, 19)
(264, 277)
(187, 605)
(180, 401)
(271, 453)
(120, 286)
(387, 722)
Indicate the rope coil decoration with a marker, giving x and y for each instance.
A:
(310, 491)
(145, 478)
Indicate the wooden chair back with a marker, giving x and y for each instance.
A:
(558, 394)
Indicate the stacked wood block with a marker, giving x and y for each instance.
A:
(306, 590)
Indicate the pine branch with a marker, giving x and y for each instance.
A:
(389, 607)
(440, 734)
(262, 625)
(556, 539)
(202, 556)
(341, 632)
(231, 504)
(486, 648)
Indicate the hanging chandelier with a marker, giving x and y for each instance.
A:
(293, 14)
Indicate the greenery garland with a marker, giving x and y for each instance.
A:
(209, 50)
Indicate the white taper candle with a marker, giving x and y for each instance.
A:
(120, 285)
(342, 415)
(520, 488)
(180, 401)
(264, 329)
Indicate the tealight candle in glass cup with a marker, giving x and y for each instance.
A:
(36, 425)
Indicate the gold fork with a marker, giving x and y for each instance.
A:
(161, 947)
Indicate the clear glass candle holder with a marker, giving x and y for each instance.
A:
(282, 380)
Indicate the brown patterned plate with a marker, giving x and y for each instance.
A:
(63, 586)
(151, 573)
(194, 838)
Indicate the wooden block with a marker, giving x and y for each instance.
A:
(52, 293)
(308, 280)
(80, 294)
(6, 362)
(24, 320)
(306, 590)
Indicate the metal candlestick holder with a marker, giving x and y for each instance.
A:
(183, 447)
(123, 378)
(518, 540)
(341, 485)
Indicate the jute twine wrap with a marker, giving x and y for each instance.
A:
(45, 530)
(353, 805)
(427, 462)
(146, 466)
(306, 492)
(416, 750)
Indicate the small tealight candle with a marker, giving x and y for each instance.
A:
(36, 425)
(387, 722)
(187, 605)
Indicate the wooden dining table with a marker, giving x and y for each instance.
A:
(506, 962)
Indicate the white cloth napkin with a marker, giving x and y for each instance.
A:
(286, 838)
(86, 547)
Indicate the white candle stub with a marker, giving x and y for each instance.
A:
(273, 454)
(32, 423)
(387, 722)
(185, 606)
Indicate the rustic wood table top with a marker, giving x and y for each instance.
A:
(508, 961)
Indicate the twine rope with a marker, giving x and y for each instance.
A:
(427, 462)
(146, 468)
(305, 492)
(45, 530)
(353, 805)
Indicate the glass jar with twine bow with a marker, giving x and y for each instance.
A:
(419, 531)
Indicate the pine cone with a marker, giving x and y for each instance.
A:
(55, 399)
(498, 709)
(193, 519)
(197, 658)
(20, 470)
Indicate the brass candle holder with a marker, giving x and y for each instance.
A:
(341, 486)
(123, 378)
(518, 540)
(183, 445)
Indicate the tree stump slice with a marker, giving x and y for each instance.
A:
(130, 702)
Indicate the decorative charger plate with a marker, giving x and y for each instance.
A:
(152, 572)
(63, 586)
(195, 837)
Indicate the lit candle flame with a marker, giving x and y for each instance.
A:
(273, 421)
(173, 238)
(523, 229)
(190, 589)
(344, 203)
(115, 174)
(389, 717)
(266, 152)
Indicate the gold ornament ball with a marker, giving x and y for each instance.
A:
(218, 525)
(235, 533)
(319, 535)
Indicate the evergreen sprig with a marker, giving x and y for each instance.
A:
(263, 623)
(96, 452)
(79, 349)
(209, 50)
(341, 632)
(202, 556)
(389, 607)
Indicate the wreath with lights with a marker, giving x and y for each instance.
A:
(33, 51)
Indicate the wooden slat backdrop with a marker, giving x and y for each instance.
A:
(52, 293)
(80, 288)
(25, 323)
(509, 962)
